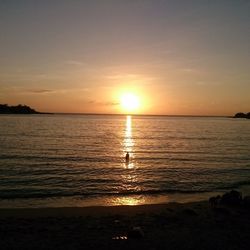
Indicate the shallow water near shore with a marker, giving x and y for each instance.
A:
(78, 160)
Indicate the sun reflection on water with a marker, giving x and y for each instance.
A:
(129, 201)
(128, 126)
(128, 142)
(129, 177)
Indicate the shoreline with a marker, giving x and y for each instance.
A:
(105, 201)
(110, 201)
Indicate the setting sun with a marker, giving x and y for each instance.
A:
(129, 102)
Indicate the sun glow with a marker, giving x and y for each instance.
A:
(129, 102)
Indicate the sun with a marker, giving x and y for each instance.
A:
(129, 102)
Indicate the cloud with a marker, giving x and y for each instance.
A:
(40, 91)
(103, 103)
(74, 63)
(111, 103)
(132, 78)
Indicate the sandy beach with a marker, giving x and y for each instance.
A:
(162, 226)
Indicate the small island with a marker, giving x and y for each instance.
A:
(242, 115)
(19, 109)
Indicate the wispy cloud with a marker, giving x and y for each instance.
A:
(39, 91)
(26, 91)
(132, 78)
(111, 103)
(103, 103)
(74, 63)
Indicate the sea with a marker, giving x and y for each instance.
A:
(63, 160)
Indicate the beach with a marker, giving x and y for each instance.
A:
(194, 225)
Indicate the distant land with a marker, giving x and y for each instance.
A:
(242, 115)
(24, 109)
(19, 109)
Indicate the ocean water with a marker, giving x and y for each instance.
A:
(79, 160)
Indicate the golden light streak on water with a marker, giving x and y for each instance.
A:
(129, 201)
(130, 176)
(128, 142)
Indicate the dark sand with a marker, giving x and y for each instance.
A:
(165, 226)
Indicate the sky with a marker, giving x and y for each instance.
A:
(177, 57)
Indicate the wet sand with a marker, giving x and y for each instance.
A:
(163, 226)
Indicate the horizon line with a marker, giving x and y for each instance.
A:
(124, 114)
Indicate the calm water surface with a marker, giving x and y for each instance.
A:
(78, 160)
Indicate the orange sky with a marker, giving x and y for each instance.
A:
(177, 57)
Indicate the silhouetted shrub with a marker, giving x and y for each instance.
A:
(214, 201)
(233, 198)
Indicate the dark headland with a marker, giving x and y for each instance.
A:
(242, 115)
(19, 109)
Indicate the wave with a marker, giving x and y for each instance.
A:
(92, 194)
(13, 194)
(235, 185)
(67, 159)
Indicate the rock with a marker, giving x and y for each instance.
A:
(135, 233)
